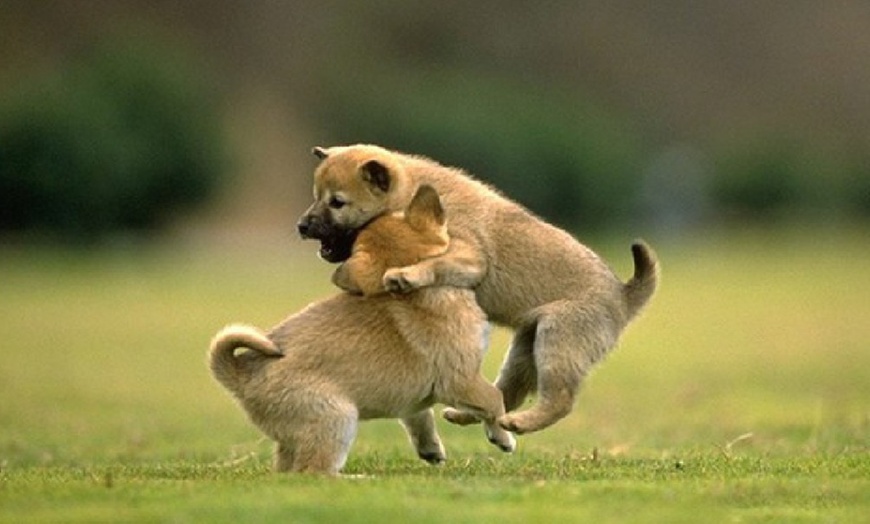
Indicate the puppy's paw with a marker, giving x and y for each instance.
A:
(395, 282)
(406, 279)
(509, 423)
(433, 456)
(501, 438)
(521, 422)
(458, 417)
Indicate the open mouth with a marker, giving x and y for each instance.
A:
(337, 247)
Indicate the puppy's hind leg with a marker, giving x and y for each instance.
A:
(321, 443)
(517, 378)
(424, 437)
(519, 374)
(569, 339)
(284, 455)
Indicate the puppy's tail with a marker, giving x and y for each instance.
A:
(231, 369)
(643, 284)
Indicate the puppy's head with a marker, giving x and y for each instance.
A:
(399, 239)
(352, 186)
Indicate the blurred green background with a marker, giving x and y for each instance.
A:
(122, 118)
(154, 158)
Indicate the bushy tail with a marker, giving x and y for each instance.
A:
(643, 284)
(227, 367)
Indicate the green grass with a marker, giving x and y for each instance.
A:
(742, 394)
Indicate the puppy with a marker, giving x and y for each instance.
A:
(565, 304)
(308, 381)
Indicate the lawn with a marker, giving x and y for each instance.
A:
(742, 394)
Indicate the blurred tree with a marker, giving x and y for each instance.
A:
(568, 160)
(120, 139)
(761, 180)
(578, 79)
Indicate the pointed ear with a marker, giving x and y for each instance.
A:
(425, 209)
(320, 152)
(377, 175)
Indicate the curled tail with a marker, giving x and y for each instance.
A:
(643, 284)
(230, 369)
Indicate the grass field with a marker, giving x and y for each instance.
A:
(742, 395)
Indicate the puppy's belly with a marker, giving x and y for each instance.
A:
(394, 405)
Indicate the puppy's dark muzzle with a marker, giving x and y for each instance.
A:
(310, 226)
(336, 244)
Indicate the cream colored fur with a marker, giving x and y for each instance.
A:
(565, 304)
(308, 381)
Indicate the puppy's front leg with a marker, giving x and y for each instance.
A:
(462, 266)
(341, 278)
(421, 430)
(359, 275)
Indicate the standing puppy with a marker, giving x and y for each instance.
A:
(566, 305)
(309, 380)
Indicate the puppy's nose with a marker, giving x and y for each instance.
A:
(310, 226)
(304, 226)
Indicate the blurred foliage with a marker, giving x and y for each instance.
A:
(773, 177)
(119, 139)
(578, 164)
(564, 158)
(591, 115)
(761, 180)
(858, 193)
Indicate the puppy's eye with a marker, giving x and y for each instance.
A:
(336, 203)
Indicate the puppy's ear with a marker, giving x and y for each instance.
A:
(425, 209)
(320, 152)
(377, 175)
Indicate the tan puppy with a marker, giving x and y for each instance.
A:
(309, 380)
(566, 305)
